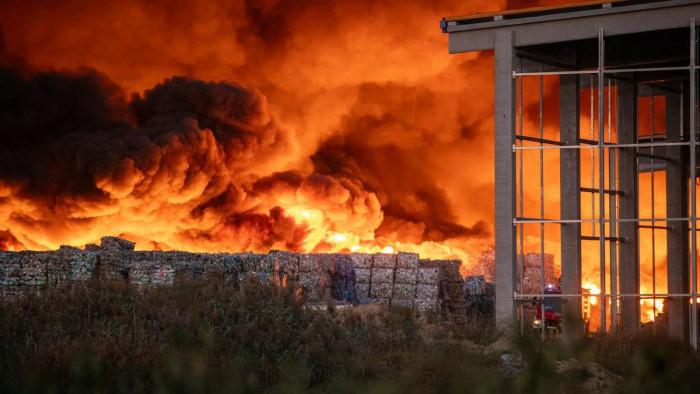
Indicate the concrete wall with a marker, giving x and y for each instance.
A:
(396, 279)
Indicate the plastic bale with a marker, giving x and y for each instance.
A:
(287, 266)
(429, 276)
(427, 292)
(404, 291)
(381, 290)
(404, 275)
(361, 260)
(362, 291)
(82, 266)
(384, 260)
(34, 266)
(343, 278)
(326, 263)
(363, 275)
(308, 263)
(475, 285)
(382, 275)
(407, 260)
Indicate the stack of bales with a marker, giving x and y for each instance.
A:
(115, 254)
(315, 275)
(286, 267)
(480, 295)
(11, 274)
(405, 280)
(343, 278)
(71, 264)
(427, 291)
(452, 304)
(382, 277)
(363, 275)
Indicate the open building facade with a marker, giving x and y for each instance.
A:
(596, 156)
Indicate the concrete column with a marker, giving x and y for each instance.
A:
(570, 180)
(628, 203)
(504, 61)
(676, 207)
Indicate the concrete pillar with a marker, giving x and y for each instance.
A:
(504, 61)
(676, 207)
(628, 203)
(570, 180)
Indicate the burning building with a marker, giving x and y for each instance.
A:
(596, 153)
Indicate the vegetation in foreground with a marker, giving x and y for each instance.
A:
(210, 336)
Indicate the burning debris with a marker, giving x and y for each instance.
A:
(394, 279)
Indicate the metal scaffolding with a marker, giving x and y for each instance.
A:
(614, 222)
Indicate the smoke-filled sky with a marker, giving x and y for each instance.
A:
(245, 125)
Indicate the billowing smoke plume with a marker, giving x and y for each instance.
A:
(343, 125)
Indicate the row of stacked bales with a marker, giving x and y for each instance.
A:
(28, 271)
(480, 296)
(453, 306)
(397, 279)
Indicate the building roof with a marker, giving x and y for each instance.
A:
(567, 22)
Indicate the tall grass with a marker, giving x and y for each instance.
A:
(212, 336)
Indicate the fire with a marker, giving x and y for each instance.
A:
(650, 308)
(592, 289)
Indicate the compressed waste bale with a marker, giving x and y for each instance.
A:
(11, 269)
(404, 275)
(384, 260)
(407, 260)
(362, 291)
(363, 275)
(475, 285)
(429, 275)
(286, 266)
(362, 260)
(308, 263)
(34, 267)
(427, 292)
(380, 290)
(404, 291)
(343, 278)
(382, 275)
(116, 243)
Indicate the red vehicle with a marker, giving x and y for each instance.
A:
(552, 311)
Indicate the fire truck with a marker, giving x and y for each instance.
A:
(552, 311)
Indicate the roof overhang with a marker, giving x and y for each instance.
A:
(577, 22)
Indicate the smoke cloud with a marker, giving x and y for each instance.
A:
(329, 125)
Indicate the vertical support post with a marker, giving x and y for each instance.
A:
(601, 172)
(542, 204)
(677, 234)
(504, 61)
(693, 214)
(627, 169)
(612, 202)
(570, 197)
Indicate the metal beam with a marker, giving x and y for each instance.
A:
(574, 25)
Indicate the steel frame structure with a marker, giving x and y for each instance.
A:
(616, 226)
